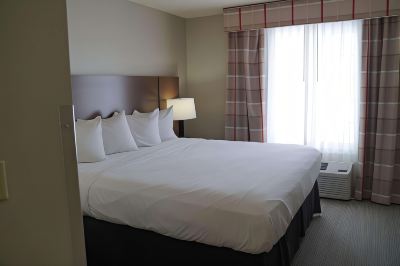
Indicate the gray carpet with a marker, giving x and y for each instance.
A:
(352, 233)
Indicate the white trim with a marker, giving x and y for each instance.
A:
(384, 39)
(247, 50)
(241, 76)
(232, 102)
(381, 134)
(244, 128)
(380, 195)
(382, 103)
(382, 71)
(241, 102)
(383, 165)
(236, 127)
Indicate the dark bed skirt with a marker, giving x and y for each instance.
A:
(113, 244)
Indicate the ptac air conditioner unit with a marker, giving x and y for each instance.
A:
(334, 180)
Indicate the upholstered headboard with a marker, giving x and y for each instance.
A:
(94, 95)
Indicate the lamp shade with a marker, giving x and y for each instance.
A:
(183, 108)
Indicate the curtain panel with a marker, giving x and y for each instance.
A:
(379, 142)
(245, 99)
(296, 12)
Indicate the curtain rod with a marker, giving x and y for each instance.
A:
(255, 4)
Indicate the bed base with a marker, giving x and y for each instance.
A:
(113, 244)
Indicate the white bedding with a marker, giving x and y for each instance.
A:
(229, 194)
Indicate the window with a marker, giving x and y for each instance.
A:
(313, 85)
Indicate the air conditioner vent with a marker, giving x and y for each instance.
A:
(334, 180)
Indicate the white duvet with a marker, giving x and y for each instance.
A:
(238, 195)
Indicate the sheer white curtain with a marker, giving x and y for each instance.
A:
(313, 85)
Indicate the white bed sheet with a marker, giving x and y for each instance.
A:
(228, 194)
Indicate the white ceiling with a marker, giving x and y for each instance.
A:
(193, 8)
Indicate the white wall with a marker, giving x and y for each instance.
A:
(206, 75)
(41, 222)
(121, 37)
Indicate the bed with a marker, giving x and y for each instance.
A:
(195, 201)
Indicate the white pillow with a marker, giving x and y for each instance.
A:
(116, 135)
(89, 141)
(166, 124)
(144, 128)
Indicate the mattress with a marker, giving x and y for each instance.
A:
(238, 195)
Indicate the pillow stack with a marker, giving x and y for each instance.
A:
(98, 137)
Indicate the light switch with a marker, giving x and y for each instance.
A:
(3, 181)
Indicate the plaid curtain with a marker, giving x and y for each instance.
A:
(245, 103)
(379, 147)
(299, 12)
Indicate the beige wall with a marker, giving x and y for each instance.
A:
(41, 222)
(121, 37)
(206, 45)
